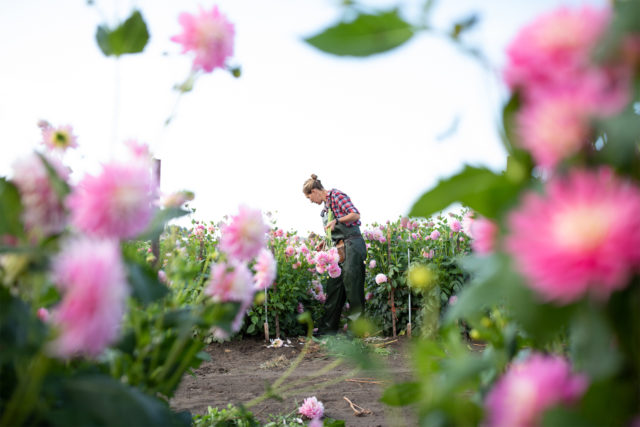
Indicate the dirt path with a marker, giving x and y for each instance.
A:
(239, 371)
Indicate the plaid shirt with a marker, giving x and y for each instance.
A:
(340, 204)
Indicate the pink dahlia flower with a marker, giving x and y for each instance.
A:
(372, 264)
(118, 202)
(209, 35)
(43, 212)
(484, 233)
(456, 226)
(289, 251)
(245, 235)
(266, 270)
(581, 237)
(381, 278)
(59, 138)
(91, 277)
(555, 126)
(531, 387)
(311, 408)
(230, 281)
(557, 45)
(435, 235)
(334, 271)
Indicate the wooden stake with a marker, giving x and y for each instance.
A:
(393, 304)
(277, 327)
(266, 331)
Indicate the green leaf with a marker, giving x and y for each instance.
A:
(590, 334)
(364, 36)
(402, 394)
(101, 400)
(59, 185)
(10, 209)
(146, 288)
(478, 188)
(131, 36)
(156, 227)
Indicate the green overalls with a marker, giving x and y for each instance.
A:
(349, 286)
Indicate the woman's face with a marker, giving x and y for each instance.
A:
(315, 196)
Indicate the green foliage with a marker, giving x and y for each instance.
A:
(129, 37)
(365, 35)
(10, 210)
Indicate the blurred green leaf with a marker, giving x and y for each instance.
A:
(131, 36)
(364, 36)
(145, 286)
(101, 400)
(402, 394)
(621, 140)
(21, 333)
(10, 209)
(59, 185)
(590, 335)
(484, 191)
(163, 216)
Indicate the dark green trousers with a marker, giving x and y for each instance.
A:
(348, 287)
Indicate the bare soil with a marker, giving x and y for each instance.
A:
(241, 370)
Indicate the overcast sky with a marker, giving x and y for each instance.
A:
(371, 127)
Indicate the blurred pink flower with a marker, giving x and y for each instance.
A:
(435, 235)
(484, 233)
(43, 213)
(368, 296)
(316, 422)
(531, 387)
(266, 270)
(300, 308)
(581, 237)
(555, 126)
(456, 226)
(118, 202)
(289, 251)
(59, 138)
(556, 45)
(209, 35)
(91, 277)
(311, 408)
(380, 278)
(245, 235)
(43, 314)
(453, 299)
(372, 264)
(230, 281)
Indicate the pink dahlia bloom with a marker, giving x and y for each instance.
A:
(245, 235)
(581, 237)
(311, 408)
(289, 251)
(118, 202)
(531, 387)
(230, 281)
(91, 277)
(372, 264)
(266, 270)
(435, 235)
(381, 278)
(334, 271)
(555, 126)
(556, 45)
(484, 233)
(456, 226)
(43, 212)
(59, 138)
(209, 35)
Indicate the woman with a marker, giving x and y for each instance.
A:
(345, 226)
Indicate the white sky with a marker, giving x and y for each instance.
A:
(366, 126)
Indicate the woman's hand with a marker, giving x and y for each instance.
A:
(321, 245)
